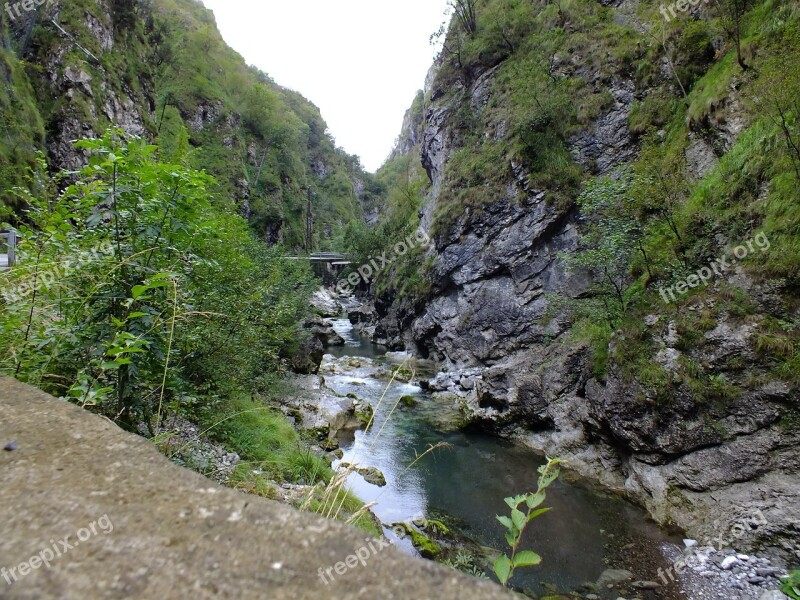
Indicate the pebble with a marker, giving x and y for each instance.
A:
(728, 563)
(711, 574)
(11, 446)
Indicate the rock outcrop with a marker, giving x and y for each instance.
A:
(726, 440)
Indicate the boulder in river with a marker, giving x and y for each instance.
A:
(370, 474)
(325, 303)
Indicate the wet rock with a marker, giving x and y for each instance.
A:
(324, 332)
(408, 401)
(613, 577)
(372, 475)
(427, 547)
(646, 585)
(308, 359)
(320, 410)
(325, 303)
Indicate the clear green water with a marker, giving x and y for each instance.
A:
(587, 531)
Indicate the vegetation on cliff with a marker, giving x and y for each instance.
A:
(707, 160)
(162, 69)
(134, 293)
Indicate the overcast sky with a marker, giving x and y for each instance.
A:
(360, 61)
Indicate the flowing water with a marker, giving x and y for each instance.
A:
(587, 532)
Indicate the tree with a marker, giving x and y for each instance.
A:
(610, 238)
(454, 37)
(134, 291)
(507, 23)
(777, 94)
(464, 11)
(731, 15)
(661, 187)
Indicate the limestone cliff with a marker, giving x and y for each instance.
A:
(688, 407)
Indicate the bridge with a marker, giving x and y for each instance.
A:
(327, 265)
(8, 244)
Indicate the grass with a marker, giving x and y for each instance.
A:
(273, 452)
(265, 439)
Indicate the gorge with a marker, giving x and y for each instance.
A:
(609, 206)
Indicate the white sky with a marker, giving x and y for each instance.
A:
(360, 61)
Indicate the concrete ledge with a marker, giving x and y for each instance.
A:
(175, 534)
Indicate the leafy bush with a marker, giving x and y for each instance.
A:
(791, 585)
(134, 292)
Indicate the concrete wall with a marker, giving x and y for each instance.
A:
(115, 519)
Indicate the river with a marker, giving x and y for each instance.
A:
(587, 532)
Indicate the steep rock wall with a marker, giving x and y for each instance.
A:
(494, 320)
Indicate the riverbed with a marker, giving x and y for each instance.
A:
(463, 482)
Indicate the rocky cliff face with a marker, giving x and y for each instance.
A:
(161, 70)
(699, 456)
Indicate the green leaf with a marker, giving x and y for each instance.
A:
(537, 513)
(535, 500)
(526, 558)
(518, 517)
(511, 539)
(548, 478)
(506, 522)
(502, 568)
(512, 502)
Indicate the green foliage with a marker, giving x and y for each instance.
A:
(134, 294)
(652, 112)
(466, 563)
(694, 51)
(611, 238)
(518, 521)
(267, 147)
(265, 439)
(427, 547)
(403, 182)
(791, 585)
(23, 131)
